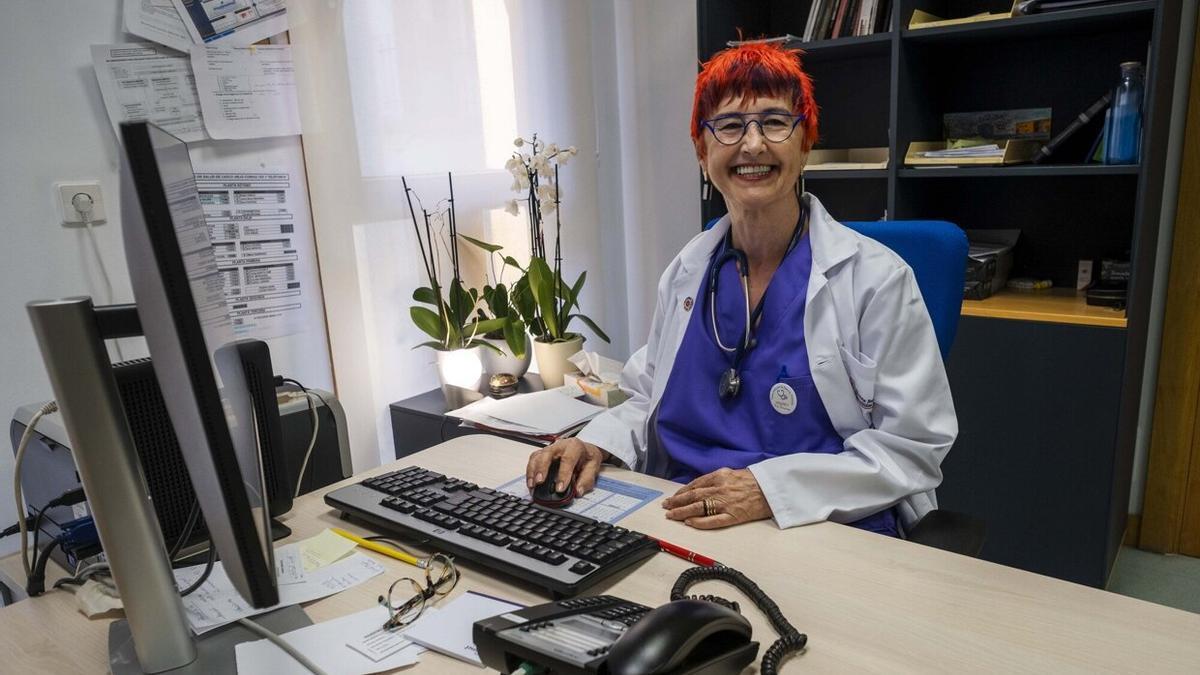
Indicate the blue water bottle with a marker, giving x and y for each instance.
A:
(1124, 142)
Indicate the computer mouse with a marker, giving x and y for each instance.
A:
(544, 493)
(686, 635)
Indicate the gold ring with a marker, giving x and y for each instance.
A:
(709, 506)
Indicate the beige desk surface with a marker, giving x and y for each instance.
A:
(868, 603)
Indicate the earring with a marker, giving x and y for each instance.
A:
(800, 186)
(706, 187)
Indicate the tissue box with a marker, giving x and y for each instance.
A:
(607, 394)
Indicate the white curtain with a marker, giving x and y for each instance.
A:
(420, 88)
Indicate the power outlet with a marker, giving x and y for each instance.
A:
(67, 191)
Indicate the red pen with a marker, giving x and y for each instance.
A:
(690, 556)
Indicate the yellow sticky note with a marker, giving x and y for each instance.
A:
(324, 549)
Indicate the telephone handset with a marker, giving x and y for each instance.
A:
(611, 636)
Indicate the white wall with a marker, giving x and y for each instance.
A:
(54, 128)
(612, 77)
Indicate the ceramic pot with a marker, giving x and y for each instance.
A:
(461, 372)
(552, 359)
(494, 363)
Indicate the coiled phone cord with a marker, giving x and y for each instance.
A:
(790, 640)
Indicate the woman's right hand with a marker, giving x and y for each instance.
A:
(576, 459)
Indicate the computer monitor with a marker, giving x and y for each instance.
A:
(180, 301)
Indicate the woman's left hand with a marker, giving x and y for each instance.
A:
(734, 497)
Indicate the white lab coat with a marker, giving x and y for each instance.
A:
(875, 363)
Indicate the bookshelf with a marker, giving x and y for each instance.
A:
(1046, 387)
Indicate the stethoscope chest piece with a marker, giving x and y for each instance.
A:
(731, 383)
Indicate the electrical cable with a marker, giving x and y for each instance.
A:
(22, 510)
(282, 644)
(35, 585)
(312, 408)
(186, 532)
(208, 568)
(790, 640)
(82, 202)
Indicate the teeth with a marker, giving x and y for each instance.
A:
(752, 170)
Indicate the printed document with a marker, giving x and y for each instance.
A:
(247, 92)
(236, 22)
(608, 502)
(157, 21)
(449, 629)
(145, 81)
(217, 602)
(328, 645)
(263, 246)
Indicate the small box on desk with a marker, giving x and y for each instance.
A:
(607, 394)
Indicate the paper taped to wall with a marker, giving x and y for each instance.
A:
(157, 21)
(235, 22)
(145, 81)
(260, 235)
(247, 92)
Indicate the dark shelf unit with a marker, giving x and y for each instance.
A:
(1047, 408)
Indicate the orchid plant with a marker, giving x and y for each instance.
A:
(542, 297)
(453, 323)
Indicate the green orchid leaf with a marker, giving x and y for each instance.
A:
(490, 248)
(514, 337)
(541, 283)
(426, 295)
(485, 345)
(460, 303)
(428, 322)
(592, 324)
(509, 260)
(435, 345)
(575, 289)
(481, 328)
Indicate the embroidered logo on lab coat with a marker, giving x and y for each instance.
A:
(687, 304)
(783, 398)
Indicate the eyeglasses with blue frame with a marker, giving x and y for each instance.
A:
(776, 127)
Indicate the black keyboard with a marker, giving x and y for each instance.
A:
(560, 551)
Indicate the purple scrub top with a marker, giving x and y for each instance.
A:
(699, 432)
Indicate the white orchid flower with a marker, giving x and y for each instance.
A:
(514, 164)
(512, 207)
(551, 149)
(519, 142)
(546, 206)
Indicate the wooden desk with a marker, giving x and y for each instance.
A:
(867, 602)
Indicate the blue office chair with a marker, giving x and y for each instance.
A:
(936, 251)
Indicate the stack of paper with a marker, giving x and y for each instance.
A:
(990, 150)
(541, 413)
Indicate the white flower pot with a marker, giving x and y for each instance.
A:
(460, 372)
(552, 359)
(494, 363)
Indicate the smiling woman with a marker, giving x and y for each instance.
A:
(808, 386)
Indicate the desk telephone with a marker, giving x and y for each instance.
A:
(610, 636)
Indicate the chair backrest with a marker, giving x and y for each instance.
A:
(937, 252)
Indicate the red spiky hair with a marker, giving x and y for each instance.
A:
(751, 71)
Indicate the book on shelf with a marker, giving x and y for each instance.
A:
(832, 19)
(846, 159)
(923, 19)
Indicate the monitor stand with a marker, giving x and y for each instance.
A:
(215, 650)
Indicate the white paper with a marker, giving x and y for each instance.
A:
(157, 21)
(381, 642)
(146, 81)
(591, 363)
(236, 22)
(540, 412)
(325, 644)
(217, 602)
(263, 246)
(449, 629)
(288, 566)
(247, 92)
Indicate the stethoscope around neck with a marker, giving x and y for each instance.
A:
(731, 379)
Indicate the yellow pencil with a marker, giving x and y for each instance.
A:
(379, 548)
